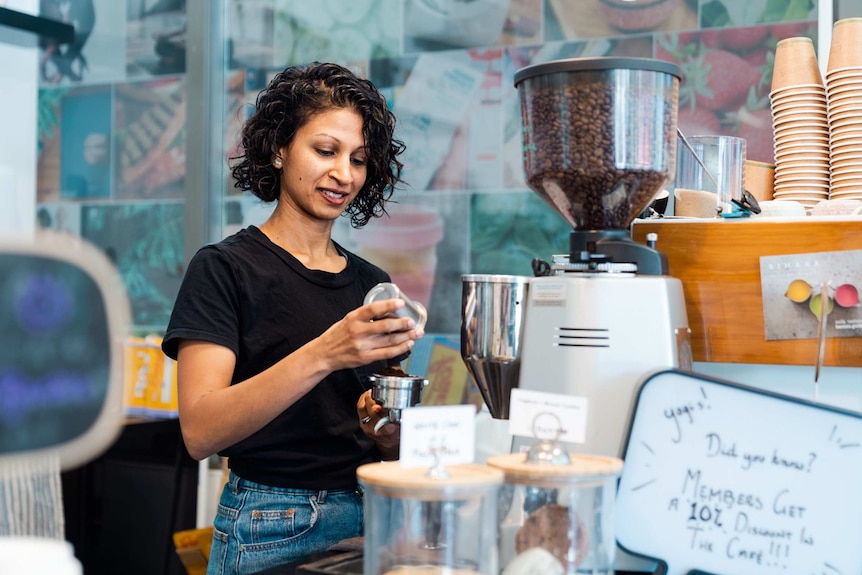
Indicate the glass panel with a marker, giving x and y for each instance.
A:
(112, 158)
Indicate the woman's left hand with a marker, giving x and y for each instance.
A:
(387, 435)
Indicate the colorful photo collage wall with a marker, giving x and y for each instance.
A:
(112, 119)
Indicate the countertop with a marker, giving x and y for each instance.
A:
(348, 563)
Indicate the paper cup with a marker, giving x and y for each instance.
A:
(845, 147)
(840, 188)
(846, 191)
(819, 117)
(840, 168)
(817, 139)
(855, 195)
(841, 111)
(791, 99)
(847, 154)
(853, 96)
(846, 121)
(854, 87)
(792, 146)
(783, 175)
(800, 128)
(795, 131)
(802, 95)
(841, 73)
(842, 77)
(800, 154)
(850, 179)
(804, 200)
(811, 176)
(845, 117)
(799, 106)
(795, 64)
(849, 172)
(807, 187)
(759, 179)
(818, 89)
(845, 50)
(854, 184)
(853, 134)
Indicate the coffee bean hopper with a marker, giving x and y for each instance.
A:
(599, 143)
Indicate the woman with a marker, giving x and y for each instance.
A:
(270, 333)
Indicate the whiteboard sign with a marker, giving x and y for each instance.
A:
(726, 479)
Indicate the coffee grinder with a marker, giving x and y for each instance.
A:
(599, 142)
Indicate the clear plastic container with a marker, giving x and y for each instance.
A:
(412, 308)
(557, 513)
(430, 521)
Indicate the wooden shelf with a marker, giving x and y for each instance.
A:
(718, 262)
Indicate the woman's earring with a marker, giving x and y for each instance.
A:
(277, 163)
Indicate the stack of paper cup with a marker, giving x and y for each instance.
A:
(844, 107)
(800, 124)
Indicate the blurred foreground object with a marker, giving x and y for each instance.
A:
(64, 316)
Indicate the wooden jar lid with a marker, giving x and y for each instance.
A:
(391, 479)
(582, 467)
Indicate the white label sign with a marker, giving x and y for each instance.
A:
(438, 434)
(552, 416)
(548, 293)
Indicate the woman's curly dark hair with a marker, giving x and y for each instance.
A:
(293, 97)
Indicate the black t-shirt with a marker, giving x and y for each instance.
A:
(250, 295)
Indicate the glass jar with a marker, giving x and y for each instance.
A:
(441, 521)
(557, 514)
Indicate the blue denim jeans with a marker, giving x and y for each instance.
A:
(258, 527)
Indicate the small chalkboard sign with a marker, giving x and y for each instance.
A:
(727, 479)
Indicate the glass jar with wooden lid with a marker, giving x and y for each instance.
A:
(557, 512)
(430, 521)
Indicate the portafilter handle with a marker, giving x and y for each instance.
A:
(393, 417)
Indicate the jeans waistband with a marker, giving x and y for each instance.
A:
(237, 484)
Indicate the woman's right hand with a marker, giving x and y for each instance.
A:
(370, 333)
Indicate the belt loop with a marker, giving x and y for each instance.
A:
(321, 496)
(233, 480)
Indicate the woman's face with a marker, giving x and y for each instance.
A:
(324, 167)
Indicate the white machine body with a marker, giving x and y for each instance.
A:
(596, 336)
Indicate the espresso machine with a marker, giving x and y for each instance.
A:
(599, 143)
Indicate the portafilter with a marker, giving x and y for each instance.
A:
(394, 393)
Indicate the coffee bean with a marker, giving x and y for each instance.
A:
(598, 153)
